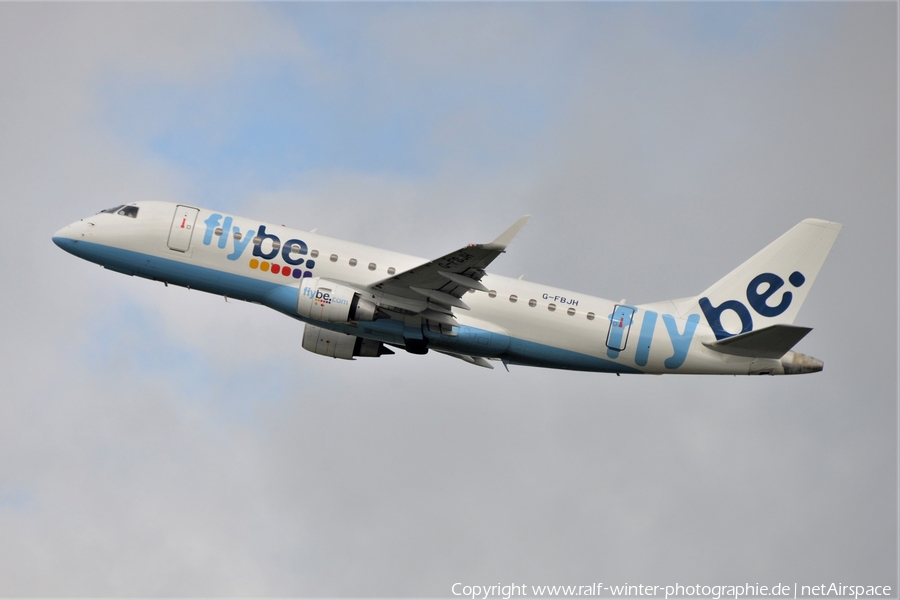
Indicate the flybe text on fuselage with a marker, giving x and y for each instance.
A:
(292, 252)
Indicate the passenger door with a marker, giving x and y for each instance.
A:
(619, 326)
(182, 228)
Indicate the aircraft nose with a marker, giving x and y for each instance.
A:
(67, 237)
(63, 237)
(60, 236)
(63, 242)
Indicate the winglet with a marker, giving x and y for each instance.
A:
(504, 239)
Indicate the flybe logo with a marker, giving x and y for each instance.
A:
(758, 301)
(322, 297)
(267, 248)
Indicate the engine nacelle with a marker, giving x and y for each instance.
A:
(323, 300)
(340, 345)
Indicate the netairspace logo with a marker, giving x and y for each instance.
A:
(715, 592)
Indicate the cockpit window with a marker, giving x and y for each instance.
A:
(113, 209)
(129, 211)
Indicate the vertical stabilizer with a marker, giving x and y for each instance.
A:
(770, 287)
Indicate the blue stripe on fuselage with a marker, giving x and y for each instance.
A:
(195, 277)
(533, 354)
(283, 298)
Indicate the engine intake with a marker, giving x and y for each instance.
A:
(340, 345)
(323, 300)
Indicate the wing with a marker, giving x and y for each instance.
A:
(436, 288)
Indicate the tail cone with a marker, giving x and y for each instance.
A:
(795, 363)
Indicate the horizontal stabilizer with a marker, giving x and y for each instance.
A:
(769, 342)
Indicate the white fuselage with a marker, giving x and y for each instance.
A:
(517, 321)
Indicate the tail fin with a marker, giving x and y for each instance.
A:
(769, 288)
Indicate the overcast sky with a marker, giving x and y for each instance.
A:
(156, 441)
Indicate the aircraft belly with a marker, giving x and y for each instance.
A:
(472, 341)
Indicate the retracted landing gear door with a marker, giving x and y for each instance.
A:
(182, 228)
(619, 326)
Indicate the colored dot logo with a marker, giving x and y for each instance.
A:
(284, 270)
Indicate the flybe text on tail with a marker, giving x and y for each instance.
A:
(758, 300)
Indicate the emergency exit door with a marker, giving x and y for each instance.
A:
(182, 228)
(619, 326)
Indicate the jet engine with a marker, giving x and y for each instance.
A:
(323, 300)
(340, 345)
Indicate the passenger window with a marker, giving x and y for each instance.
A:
(256, 241)
(513, 298)
(371, 266)
(352, 262)
(129, 211)
(551, 307)
(276, 245)
(492, 294)
(391, 270)
(217, 231)
(295, 248)
(571, 312)
(532, 303)
(333, 258)
(590, 316)
(238, 235)
(314, 254)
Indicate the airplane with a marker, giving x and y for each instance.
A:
(361, 301)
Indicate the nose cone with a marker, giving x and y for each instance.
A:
(64, 242)
(795, 363)
(69, 236)
(62, 237)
